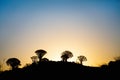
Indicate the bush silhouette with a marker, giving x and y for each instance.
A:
(45, 59)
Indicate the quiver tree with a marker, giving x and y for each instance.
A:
(82, 58)
(65, 55)
(40, 53)
(34, 59)
(13, 62)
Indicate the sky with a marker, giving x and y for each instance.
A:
(84, 27)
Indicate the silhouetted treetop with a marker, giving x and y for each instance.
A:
(40, 53)
(65, 55)
(13, 62)
(34, 59)
(82, 58)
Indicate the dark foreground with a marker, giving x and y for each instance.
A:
(63, 71)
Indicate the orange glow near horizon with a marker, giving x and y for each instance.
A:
(54, 47)
(89, 28)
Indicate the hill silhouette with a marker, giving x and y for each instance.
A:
(54, 70)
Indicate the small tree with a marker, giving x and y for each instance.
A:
(13, 62)
(34, 59)
(65, 55)
(82, 58)
(40, 53)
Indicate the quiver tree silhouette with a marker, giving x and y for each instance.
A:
(34, 59)
(40, 53)
(65, 55)
(82, 58)
(13, 62)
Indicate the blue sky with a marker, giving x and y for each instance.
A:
(87, 27)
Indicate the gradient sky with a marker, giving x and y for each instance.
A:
(85, 27)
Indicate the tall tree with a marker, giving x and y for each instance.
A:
(40, 53)
(65, 55)
(82, 58)
(13, 62)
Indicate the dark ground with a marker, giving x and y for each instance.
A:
(52, 70)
